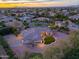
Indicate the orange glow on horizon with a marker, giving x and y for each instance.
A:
(30, 4)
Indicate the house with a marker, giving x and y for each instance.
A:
(74, 17)
(15, 24)
(26, 18)
(6, 19)
(73, 26)
(51, 13)
(41, 19)
(60, 23)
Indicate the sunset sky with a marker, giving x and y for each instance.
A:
(37, 3)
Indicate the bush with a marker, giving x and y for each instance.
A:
(2, 24)
(52, 52)
(49, 40)
(35, 56)
(63, 29)
(72, 54)
(8, 30)
(14, 31)
(61, 17)
(5, 31)
(26, 24)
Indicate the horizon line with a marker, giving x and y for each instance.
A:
(30, 4)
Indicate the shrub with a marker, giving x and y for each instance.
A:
(26, 24)
(9, 30)
(35, 56)
(49, 39)
(63, 29)
(52, 52)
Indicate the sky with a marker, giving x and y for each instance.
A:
(38, 3)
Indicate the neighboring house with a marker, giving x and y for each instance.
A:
(52, 13)
(73, 26)
(16, 24)
(26, 18)
(41, 19)
(74, 17)
(6, 19)
(60, 23)
(65, 12)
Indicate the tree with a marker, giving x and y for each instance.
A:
(14, 31)
(2, 24)
(64, 29)
(59, 16)
(74, 37)
(5, 31)
(26, 24)
(7, 48)
(74, 52)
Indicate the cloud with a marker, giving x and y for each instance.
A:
(43, 0)
(71, 2)
(66, 2)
